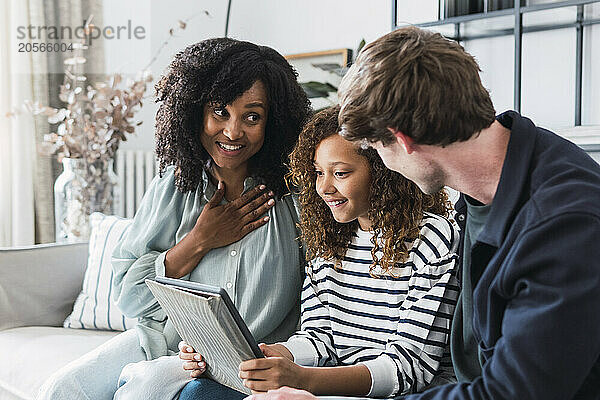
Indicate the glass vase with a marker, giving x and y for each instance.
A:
(80, 190)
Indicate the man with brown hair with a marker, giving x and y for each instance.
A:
(527, 325)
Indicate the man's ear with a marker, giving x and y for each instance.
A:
(405, 141)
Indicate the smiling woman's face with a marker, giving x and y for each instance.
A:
(235, 132)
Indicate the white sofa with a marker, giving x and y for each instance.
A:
(38, 286)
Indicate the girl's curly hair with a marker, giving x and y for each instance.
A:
(218, 71)
(396, 204)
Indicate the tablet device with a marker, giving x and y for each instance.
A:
(206, 319)
(215, 291)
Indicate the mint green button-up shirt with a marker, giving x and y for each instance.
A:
(262, 272)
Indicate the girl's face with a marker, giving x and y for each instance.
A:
(235, 132)
(343, 180)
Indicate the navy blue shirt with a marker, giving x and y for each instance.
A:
(536, 305)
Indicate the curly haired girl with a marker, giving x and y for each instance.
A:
(380, 290)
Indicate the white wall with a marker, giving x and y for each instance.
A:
(295, 26)
(128, 57)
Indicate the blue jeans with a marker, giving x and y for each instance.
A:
(204, 388)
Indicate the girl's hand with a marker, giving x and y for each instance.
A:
(193, 361)
(222, 224)
(276, 350)
(272, 372)
(284, 393)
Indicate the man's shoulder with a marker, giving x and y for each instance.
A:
(564, 179)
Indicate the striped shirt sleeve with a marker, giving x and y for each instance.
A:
(313, 345)
(423, 328)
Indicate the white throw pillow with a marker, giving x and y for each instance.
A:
(94, 308)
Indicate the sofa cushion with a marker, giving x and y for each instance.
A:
(94, 307)
(38, 284)
(32, 354)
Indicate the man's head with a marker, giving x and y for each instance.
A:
(416, 82)
(413, 86)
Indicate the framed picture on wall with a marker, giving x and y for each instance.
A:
(320, 73)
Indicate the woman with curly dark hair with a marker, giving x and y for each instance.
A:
(380, 290)
(230, 111)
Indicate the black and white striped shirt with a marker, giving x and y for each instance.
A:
(397, 326)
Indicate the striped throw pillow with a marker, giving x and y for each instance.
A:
(94, 308)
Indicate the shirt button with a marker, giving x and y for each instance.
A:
(461, 217)
(229, 285)
(233, 253)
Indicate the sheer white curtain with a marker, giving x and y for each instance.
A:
(27, 176)
(17, 134)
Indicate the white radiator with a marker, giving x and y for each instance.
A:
(135, 170)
